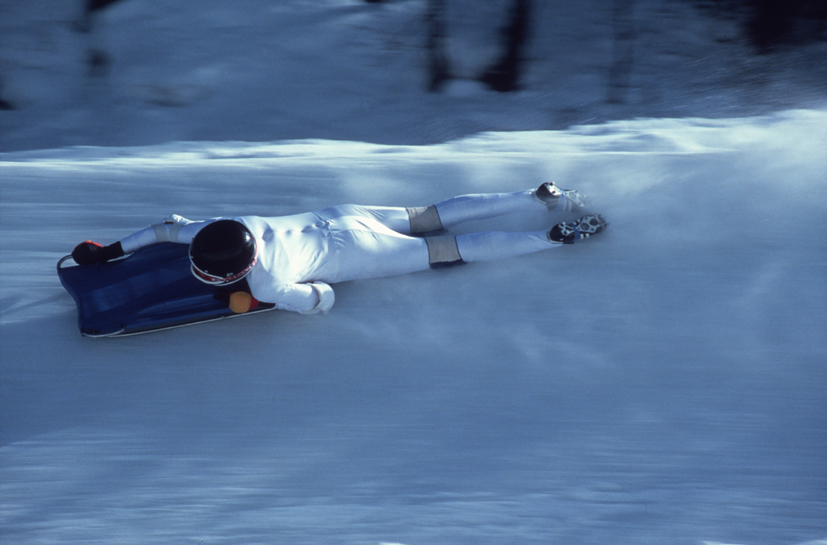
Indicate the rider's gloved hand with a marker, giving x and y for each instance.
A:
(91, 253)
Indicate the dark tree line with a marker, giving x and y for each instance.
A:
(772, 24)
(623, 41)
(768, 25)
(4, 104)
(439, 70)
(98, 60)
(505, 73)
(783, 22)
(90, 8)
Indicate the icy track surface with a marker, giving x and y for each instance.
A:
(660, 384)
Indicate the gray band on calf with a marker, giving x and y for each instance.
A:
(424, 219)
(443, 252)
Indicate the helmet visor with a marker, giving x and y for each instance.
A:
(213, 280)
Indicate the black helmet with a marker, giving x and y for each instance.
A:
(222, 252)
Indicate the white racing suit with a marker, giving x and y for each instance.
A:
(300, 255)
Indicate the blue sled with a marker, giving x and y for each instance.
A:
(149, 290)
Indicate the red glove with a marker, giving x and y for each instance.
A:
(91, 253)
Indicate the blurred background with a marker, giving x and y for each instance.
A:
(129, 72)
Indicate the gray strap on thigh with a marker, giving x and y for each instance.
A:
(443, 252)
(424, 219)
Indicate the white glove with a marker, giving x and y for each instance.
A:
(326, 298)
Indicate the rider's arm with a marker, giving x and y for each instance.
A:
(305, 298)
(172, 229)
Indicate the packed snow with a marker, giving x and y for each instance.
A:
(662, 383)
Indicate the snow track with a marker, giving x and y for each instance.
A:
(661, 383)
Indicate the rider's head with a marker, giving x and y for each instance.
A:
(222, 252)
